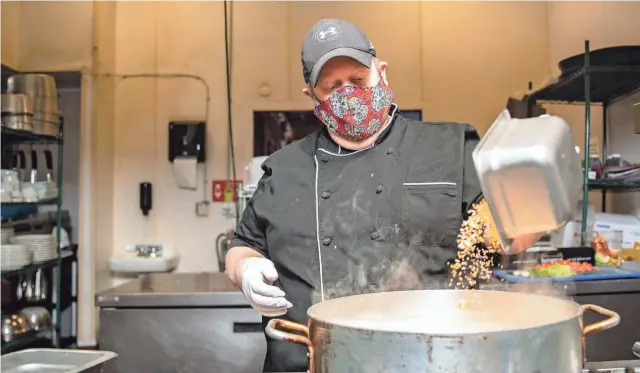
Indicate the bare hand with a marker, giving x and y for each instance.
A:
(523, 243)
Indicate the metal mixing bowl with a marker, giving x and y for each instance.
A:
(14, 326)
(39, 318)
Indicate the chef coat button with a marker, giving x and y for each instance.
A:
(379, 189)
(326, 241)
(375, 236)
(390, 150)
(325, 195)
(324, 158)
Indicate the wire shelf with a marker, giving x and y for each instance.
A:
(608, 83)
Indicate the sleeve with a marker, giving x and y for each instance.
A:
(251, 231)
(471, 192)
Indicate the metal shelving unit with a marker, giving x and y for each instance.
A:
(11, 137)
(596, 82)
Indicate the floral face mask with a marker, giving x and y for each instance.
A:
(355, 113)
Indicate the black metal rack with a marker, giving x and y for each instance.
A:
(597, 80)
(60, 273)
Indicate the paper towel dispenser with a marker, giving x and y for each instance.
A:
(187, 139)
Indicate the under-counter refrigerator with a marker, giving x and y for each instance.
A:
(180, 322)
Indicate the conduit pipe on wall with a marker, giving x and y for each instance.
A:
(123, 77)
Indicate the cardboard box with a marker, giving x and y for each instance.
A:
(628, 224)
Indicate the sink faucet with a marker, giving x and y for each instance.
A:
(149, 251)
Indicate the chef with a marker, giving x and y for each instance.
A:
(372, 202)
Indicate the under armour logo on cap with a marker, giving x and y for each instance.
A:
(329, 38)
(328, 32)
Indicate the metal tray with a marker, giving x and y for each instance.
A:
(47, 360)
(523, 163)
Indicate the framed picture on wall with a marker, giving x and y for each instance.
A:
(274, 129)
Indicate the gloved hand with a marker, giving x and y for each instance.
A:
(258, 275)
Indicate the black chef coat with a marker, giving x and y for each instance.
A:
(337, 223)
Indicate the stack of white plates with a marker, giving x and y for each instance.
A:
(14, 257)
(5, 235)
(43, 246)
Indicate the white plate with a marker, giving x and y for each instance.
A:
(34, 236)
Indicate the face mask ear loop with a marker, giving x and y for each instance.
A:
(380, 77)
(313, 95)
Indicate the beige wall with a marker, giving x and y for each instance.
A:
(10, 33)
(55, 35)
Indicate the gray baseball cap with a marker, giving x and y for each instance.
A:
(330, 38)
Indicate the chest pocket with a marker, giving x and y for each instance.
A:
(430, 213)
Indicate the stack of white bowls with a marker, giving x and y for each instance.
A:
(41, 190)
(43, 95)
(14, 257)
(42, 246)
(10, 188)
(5, 235)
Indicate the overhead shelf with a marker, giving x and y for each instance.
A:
(36, 266)
(9, 135)
(614, 73)
(608, 84)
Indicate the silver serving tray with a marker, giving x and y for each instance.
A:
(48, 360)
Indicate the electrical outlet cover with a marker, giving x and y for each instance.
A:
(202, 208)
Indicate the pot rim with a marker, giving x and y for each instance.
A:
(346, 325)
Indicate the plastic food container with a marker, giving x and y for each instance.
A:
(530, 174)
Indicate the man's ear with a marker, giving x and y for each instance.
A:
(307, 92)
(382, 66)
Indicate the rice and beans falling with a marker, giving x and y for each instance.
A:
(475, 258)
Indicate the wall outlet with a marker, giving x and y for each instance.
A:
(202, 208)
(228, 210)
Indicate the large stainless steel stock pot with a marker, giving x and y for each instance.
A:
(446, 331)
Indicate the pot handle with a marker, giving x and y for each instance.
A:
(612, 320)
(272, 331)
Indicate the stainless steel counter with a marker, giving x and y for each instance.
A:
(174, 290)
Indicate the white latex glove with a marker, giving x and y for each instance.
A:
(258, 275)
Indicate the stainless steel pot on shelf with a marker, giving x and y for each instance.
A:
(43, 95)
(16, 103)
(23, 122)
(444, 331)
(33, 85)
(17, 111)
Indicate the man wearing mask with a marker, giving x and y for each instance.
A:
(372, 202)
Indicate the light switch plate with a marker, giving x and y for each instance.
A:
(202, 208)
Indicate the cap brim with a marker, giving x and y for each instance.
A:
(358, 55)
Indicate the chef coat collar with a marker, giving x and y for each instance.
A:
(326, 142)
